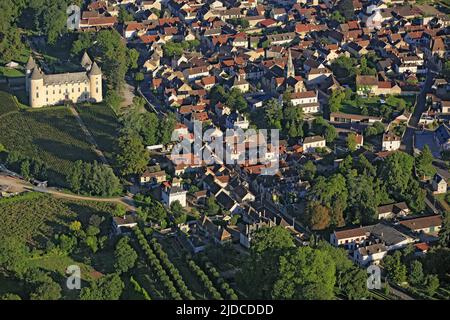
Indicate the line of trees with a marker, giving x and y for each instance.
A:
(139, 289)
(171, 269)
(219, 281)
(209, 285)
(28, 168)
(93, 179)
(156, 266)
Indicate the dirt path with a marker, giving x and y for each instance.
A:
(21, 185)
(89, 136)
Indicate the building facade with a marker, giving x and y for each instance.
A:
(53, 89)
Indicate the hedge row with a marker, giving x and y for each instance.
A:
(137, 287)
(204, 279)
(219, 281)
(171, 269)
(156, 265)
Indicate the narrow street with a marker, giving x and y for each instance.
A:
(408, 137)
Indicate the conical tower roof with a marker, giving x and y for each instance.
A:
(290, 65)
(37, 74)
(31, 64)
(95, 70)
(86, 60)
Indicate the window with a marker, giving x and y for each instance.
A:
(79, 89)
(73, 90)
(37, 94)
(96, 89)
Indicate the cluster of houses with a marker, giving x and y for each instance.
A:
(370, 244)
(278, 50)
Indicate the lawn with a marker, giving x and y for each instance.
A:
(11, 72)
(7, 103)
(374, 107)
(103, 125)
(50, 134)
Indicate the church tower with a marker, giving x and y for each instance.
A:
(290, 70)
(95, 79)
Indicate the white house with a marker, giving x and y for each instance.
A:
(439, 184)
(391, 142)
(171, 193)
(307, 100)
(371, 254)
(311, 143)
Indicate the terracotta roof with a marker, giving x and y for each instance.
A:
(422, 222)
(351, 233)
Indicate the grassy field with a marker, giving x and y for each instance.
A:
(103, 125)
(50, 134)
(7, 103)
(11, 73)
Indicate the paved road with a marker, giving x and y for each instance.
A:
(128, 202)
(408, 137)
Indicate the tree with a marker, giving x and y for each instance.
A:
(139, 77)
(351, 142)
(14, 255)
(113, 100)
(395, 268)
(2, 148)
(49, 290)
(336, 99)
(124, 15)
(424, 163)
(431, 284)
(179, 213)
(307, 274)
(415, 273)
(125, 256)
(133, 157)
(212, 207)
(319, 216)
(260, 271)
(93, 179)
(308, 170)
(346, 8)
(10, 296)
(396, 172)
(108, 287)
(444, 233)
(274, 113)
(355, 284)
(112, 51)
(75, 226)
